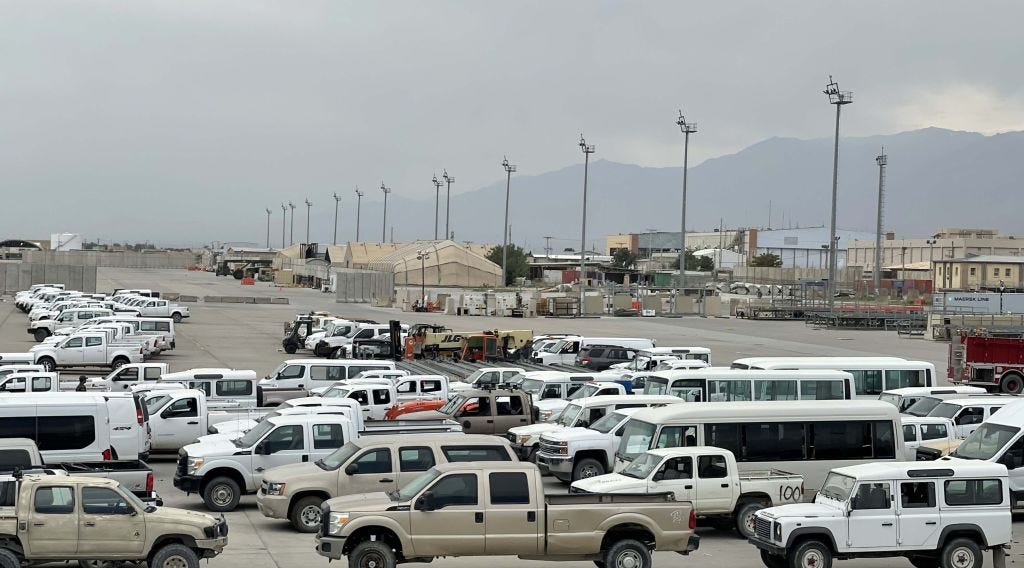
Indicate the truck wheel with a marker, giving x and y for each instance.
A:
(41, 333)
(221, 494)
(305, 514)
(745, 517)
(174, 556)
(117, 363)
(532, 455)
(48, 364)
(587, 468)
(290, 348)
(1011, 383)
(372, 554)
(628, 553)
(176, 317)
(772, 561)
(810, 554)
(8, 559)
(961, 553)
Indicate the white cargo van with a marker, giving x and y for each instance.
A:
(65, 426)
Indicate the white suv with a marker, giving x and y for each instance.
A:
(941, 513)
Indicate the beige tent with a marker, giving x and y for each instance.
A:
(447, 263)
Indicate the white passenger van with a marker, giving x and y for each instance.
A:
(65, 426)
(312, 373)
(224, 388)
(564, 351)
(717, 384)
(969, 412)
(1000, 439)
(871, 375)
(906, 397)
(804, 437)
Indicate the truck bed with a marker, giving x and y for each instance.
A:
(768, 475)
(410, 426)
(133, 475)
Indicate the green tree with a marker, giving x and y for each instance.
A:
(623, 258)
(766, 260)
(698, 263)
(518, 266)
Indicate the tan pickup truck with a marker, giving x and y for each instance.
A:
(491, 509)
(47, 518)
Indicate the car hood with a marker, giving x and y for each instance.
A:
(212, 448)
(612, 483)
(361, 503)
(181, 516)
(573, 434)
(533, 429)
(216, 438)
(295, 473)
(802, 510)
(425, 415)
(551, 404)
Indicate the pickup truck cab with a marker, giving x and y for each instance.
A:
(89, 349)
(578, 453)
(179, 415)
(905, 397)
(128, 376)
(224, 388)
(930, 430)
(375, 396)
(340, 346)
(487, 376)
(543, 385)
(222, 471)
(157, 308)
(56, 518)
(8, 369)
(42, 328)
(488, 411)
(372, 463)
(29, 381)
(295, 378)
(499, 509)
(708, 478)
(602, 386)
(941, 513)
(348, 406)
(968, 413)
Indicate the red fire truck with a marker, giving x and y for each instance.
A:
(988, 359)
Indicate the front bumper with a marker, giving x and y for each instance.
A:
(211, 547)
(330, 546)
(522, 452)
(188, 483)
(768, 546)
(272, 506)
(555, 464)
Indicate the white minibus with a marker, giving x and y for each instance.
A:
(871, 375)
(717, 384)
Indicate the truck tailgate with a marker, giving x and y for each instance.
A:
(576, 523)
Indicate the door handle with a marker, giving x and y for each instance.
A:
(194, 423)
(531, 516)
(259, 469)
(725, 485)
(687, 487)
(89, 524)
(305, 458)
(886, 524)
(387, 480)
(490, 421)
(478, 517)
(931, 523)
(522, 420)
(38, 524)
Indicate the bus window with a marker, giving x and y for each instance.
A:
(775, 389)
(868, 381)
(904, 378)
(823, 390)
(729, 390)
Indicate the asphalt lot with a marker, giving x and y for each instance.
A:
(248, 336)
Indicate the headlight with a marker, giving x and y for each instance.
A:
(545, 415)
(195, 463)
(336, 522)
(561, 448)
(522, 440)
(275, 488)
(777, 530)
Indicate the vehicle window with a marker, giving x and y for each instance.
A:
(326, 373)
(381, 396)
(64, 432)
(375, 461)
(104, 501)
(454, 490)
(725, 436)
(41, 384)
(327, 436)
(573, 387)
(10, 459)
(608, 391)
(711, 467)
(292, 372)
(677, 468)
(284, 438)
(430, 386)
(851, 440)
(415, 459)
(909, 433)
(1013, 457)
(509, 488)
(933, 431)
(74, 342)
(480, 406)
(354, 370)
(596, 414)
(778, 441)
(593, 352)
(551, 391)
(775, 389)
(867, 382)
(152, 374)
(974, 492)
(917, 495)
(823, 390)
(234, 388)
(508, 405)
(677, 436)
(475, 453)
(904, 378)
(93, 341)
(200, 385)
(55, 500)
(360, 396)
(15, 384)
(971, 415)
(871, 496)
(407, 387)
(182, 408)
(129, 374)
(724, 391)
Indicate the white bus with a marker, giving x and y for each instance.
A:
(717, 384)
(805, 437)
(871, 375)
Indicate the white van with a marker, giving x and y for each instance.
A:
(969, 412)
(8, 359)
(224, 388)
(65, 426)
(872, 375)
(311, 373)
(542, 385)
(129, 424)
(564, 351)
(1000, 439)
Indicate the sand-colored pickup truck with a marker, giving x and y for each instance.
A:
(496, 508)
(47, 518)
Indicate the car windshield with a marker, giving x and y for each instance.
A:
(415, 486)
(336, 392)
(585, 391)
(533, 386)
(554, 347)
(352, 332)
(476, 375)
(837, 486)
(636, 439)
(338, 457)
(642, 466)
(279, 368)
(568, 415)
(656, 385)
(252, 436)
(945, 410)
(516, 379)
(986, 442)
(609, 421)
(893, 399)
(452, 405)
(154, 403)
(924, 406)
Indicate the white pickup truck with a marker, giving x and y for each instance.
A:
(87, 349)
(580, 453)
(551, 407)
(31, 381)
(707, 477)
(177, 417)
(128, 376)
(156, 308)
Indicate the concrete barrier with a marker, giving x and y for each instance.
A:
(240, 300)
(184, 298)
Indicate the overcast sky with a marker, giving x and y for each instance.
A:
(115, 109)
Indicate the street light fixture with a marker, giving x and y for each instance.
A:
(447, 202)
(931, 259)
(437, 200)
(509, 168)
(309, 205)
(687, 128)
(587, 149)
(384, 227)
(284, 219)
(838, 98)
(337, 204)
(268, 227)
(422, 256)
(291, 227)
(359, 206)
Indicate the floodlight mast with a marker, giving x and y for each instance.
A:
(587, 149)
(449, 179)
(309, 205)
(268, 227)
(437, 199)
(337, 204)
(284, 220)
(384, 226)
(291, 227)
(509, 168)
(687, 128)
(838, 98)
(359, 207)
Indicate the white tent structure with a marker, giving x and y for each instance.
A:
(438, 263)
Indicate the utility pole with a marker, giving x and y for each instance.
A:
(547, 246)
(838, 98)
(882, 160)
(309, 205)
(447, 203)
(587, 149)
(686, 128)
(337, 204)
(291, 227)
(359, 207)
(509, 168)
(268, 227)
(284, 219)
(384, 226)
(437, 199)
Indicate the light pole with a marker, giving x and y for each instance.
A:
(587, 149)
(882, 160)
(384, 227)
(422, 256)
(838, 98)
(509, 168)
(337, 204)
(284, 219)
(931, 261)
(686, 128)
(268, 227)
(309, 205)
(447, 203)
(359, 206)
(291, 227)
(437, 200)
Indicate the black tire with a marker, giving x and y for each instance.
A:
(924, 561)
(48, 364)
(810, 554)
(745, 517)
(221, 494)
(772, 561)
(174, 556)
(587, 468)
(961, 553)
(531, 456)
(40, 334)
(599, 563)
(372, 554)
(628, 552)
(290, 349)
(176, 317)
(117, 363)
(8, 559)
(305, 514)
(1011, 383)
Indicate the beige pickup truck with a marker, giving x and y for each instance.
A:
(492, 509)
(48, 518)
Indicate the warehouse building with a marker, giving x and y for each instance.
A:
(978, 273)
(945, 244)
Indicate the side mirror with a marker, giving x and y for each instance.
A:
(658, 476)
(352, 469)
(261, 449)
(425, 502)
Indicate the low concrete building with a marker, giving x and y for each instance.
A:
(983, 272)
(946, 243)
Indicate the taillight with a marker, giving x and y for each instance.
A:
(138, 415)
(585, 360)
(693, 518)
(150, 481)
(107, 455)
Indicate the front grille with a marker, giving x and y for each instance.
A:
(762, 528)
(549, 447)
(182, 465)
